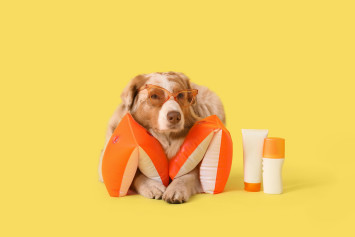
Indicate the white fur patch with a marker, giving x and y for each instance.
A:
(163, 122)
(171, 105)
(171, 146)
(160, 80)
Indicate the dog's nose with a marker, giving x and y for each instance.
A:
(174, 117)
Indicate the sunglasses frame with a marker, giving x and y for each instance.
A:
(174, 95)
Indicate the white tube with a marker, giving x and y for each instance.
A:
(253, 142)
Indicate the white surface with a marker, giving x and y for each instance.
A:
(209, 164)
(147, 167)
(253, 143)
(196, 156)
(129, 172)
(272, 178)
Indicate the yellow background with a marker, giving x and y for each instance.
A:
(287, 66)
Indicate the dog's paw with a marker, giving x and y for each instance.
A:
(176, 194)
(152, 189)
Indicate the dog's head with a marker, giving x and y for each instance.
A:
(161, 101)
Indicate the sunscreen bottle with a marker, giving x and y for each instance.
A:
(273, 159)
(253, 141)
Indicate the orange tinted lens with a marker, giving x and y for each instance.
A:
(185, 98)
(156, 96)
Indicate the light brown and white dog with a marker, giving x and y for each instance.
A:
(169, 123)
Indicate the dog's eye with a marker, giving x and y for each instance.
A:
(154, 96)
(181, 96)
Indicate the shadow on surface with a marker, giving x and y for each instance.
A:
(292, 185)
(291, 182)
(235, 183)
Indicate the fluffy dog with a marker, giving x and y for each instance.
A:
(167, 105)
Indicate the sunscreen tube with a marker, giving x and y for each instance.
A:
(253, 142)
(273, 159)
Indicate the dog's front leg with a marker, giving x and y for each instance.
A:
(183, 187)
(147, 187)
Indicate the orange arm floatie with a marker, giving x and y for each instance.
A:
(208, 143)
(129, 147)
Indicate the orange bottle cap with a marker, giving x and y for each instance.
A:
(274, 147)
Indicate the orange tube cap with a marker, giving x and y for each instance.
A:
(274, 147)
(252, 187)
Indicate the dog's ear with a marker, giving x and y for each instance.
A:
(130, 92)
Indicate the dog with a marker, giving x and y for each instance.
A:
(167, 104)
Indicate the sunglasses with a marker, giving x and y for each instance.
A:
(157, 95)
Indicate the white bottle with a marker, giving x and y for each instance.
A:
(273, 159)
